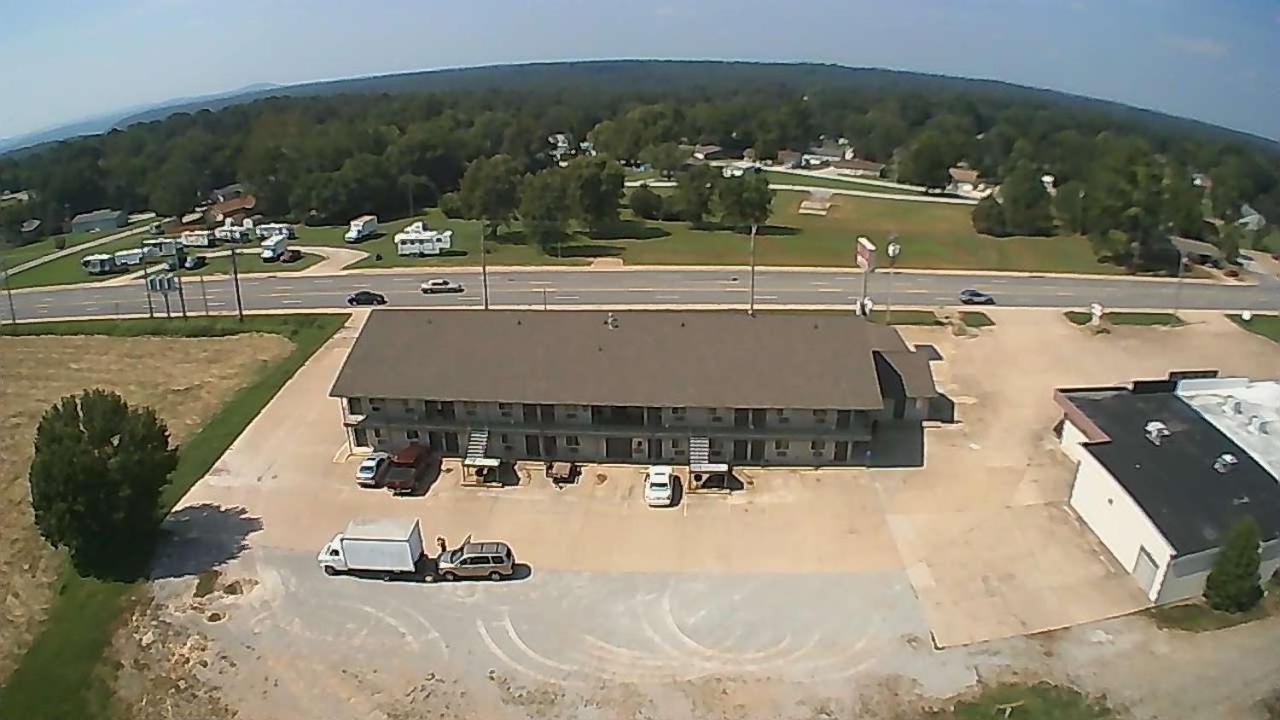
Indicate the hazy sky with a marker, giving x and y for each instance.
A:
(66, 60)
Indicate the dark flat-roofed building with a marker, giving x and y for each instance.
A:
(1161, 479)
(99, 220)
(788, 388)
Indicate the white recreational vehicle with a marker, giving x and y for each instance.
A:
(274, 248)
(417, 240)
(197, 238)
(98, 264)
(361, 228)
(162, 246)
(132, 256)
(267, 230)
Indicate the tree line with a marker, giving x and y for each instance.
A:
(327, 158)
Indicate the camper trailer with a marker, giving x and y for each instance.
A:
(274, 248)
(233, 233)
(98, 264)
(162, 246)
(272, 229)
(361, 228)
(417, 240)
(132, 256)
(197, 238)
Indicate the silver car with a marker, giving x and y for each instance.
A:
(372, 469)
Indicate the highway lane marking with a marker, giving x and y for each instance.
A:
(291, 302)
(668, 297)
(766, 297)
(566, 297)
(217, 304)
(322, 282)
(828, 290)
(538, 282)
(819, 282)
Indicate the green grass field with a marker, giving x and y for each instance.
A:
(1268, 326)
(63, 674)
(1128, 318)
(249, 261)
(974, 319)
(783, 178)
(1042, 701)
(67, 271)
(17, 255)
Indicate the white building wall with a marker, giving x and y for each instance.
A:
(1117, 519)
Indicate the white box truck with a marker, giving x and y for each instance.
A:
(387, 546)
(361, 228)
(274, 248)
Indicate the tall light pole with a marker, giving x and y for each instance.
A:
(893, 249)
(1177, 290)
(235, 278)
(8, 291)
(751, 302)
(146, 279)
(484, 268)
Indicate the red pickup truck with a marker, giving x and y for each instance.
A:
(406, 469)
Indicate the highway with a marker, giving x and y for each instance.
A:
(536, 287)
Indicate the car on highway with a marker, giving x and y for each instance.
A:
(372, 469)
(493, 560)
(659, 486)
(366, 297)
(440, 285)
(970, 296)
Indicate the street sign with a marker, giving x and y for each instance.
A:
(866, 254)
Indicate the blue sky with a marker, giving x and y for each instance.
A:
(1214, 60)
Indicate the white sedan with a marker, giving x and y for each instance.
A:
(440, 285)
(370, 470)
(659, 486)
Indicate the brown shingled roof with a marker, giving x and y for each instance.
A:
(652, 358)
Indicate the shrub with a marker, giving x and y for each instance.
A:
(1233, 584)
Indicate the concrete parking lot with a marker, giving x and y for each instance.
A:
(812, 584)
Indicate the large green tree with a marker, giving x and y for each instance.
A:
(666, 158)
(544, 207)
(1026, 203)
(928, 158)
(595, 191)
(645, 203)
(695, 190)
(96, 478)
(988, 217)
(491, 192)
(745, 201)
(1233, 583)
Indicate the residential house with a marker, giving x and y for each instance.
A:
(236, 209)
(857, 167)
(229, 192)
(696, 388)
(708, 152)
(966, 182)
(99, 220)
(790, 158)
(828, 152)
(1165, 468)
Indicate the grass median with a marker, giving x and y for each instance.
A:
(1158, 319)
(1268, 326)
(62, 675)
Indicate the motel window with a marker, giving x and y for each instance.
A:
(411, 435)
(571, 440)
(504, 439)
(781, 445)
(678, 412)
(375, 404)
(404, 405)
(716, 419)
(469, 408)
(820, 415)
(818, 446)
(355, 406)
(377, 432)
(675, 443)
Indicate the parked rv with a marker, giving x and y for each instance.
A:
(132, 256)
(389, 546)
(99, 264)
(274, 248)
(417, 240)
(232, 233)
(162, 246)
(267, 230)
(361, 228)
(197, 238)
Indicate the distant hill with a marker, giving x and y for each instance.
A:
(661, 75)
(120, 118)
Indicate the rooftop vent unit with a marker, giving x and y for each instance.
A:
(1225, 462)
(1232, 406)
(1156, 431)
(1259, 425)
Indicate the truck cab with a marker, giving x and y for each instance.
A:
(331, 557)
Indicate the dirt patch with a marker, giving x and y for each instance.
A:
(185, 380)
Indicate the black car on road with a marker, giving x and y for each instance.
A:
(366, 297)
(970, 296)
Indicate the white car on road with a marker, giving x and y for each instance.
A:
(370, 470)
(659, 486)
(440, 285)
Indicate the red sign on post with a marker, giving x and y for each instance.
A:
(866, 254)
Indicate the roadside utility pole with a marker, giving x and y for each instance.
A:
(484, 268)
(893, 249)
(146, 279)
(8, 291)
(751, 302)
(235, 278)
(1177, 290)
